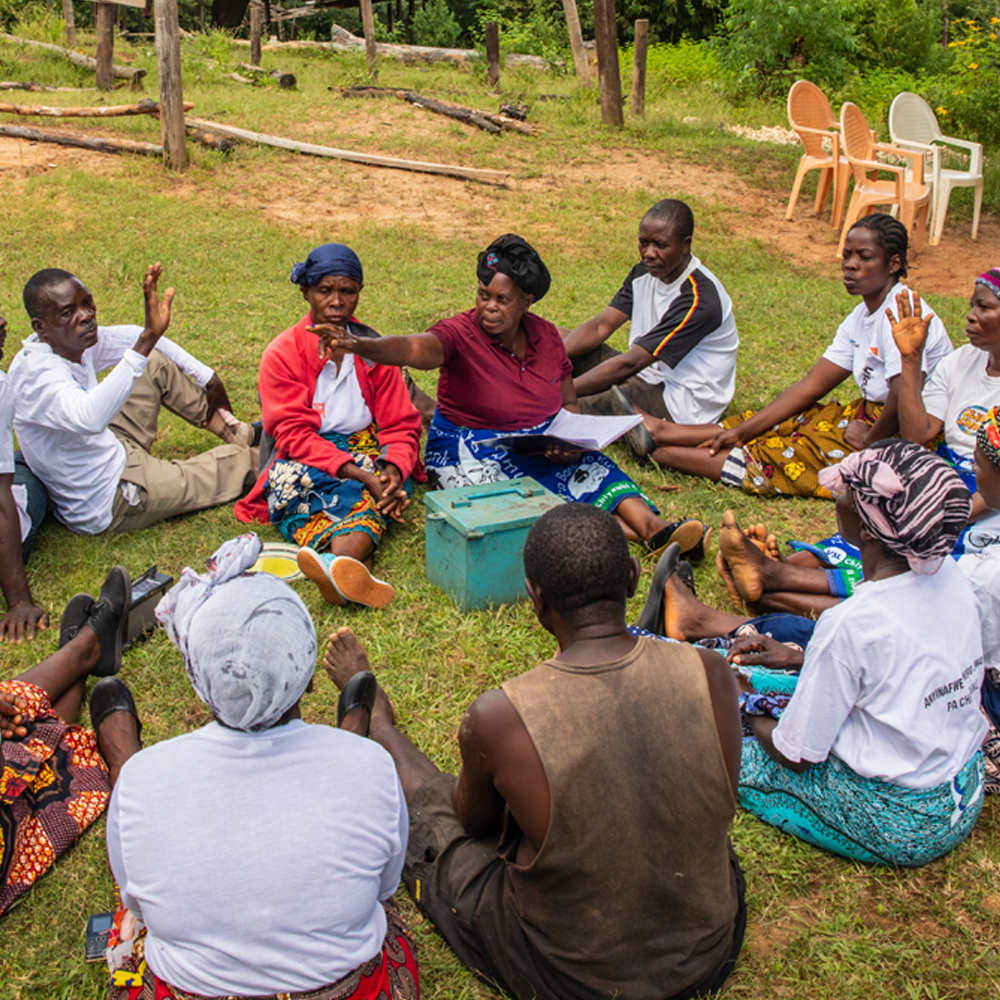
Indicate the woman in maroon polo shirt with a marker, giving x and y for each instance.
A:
(504, 370)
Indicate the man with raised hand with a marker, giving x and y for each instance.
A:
(582, 852)
(90, 441)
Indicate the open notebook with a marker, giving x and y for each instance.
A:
(571, 430)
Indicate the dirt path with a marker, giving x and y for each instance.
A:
(451, 208)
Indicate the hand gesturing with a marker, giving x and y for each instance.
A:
(910, 330)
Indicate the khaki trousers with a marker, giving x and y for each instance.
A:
(169, 488)
(646, 396)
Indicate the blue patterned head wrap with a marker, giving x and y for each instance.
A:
(330, 258)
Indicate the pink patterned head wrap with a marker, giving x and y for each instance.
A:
(907, 497)
(991, 280)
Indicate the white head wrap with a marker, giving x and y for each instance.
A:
(248, 642)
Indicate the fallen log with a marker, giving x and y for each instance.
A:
(491, 122)
(344, 41)
(30, 85)
(212, 141)
(498, 177)
(285, 80)
(79, 59)
(113, 111)
(101, 145)
(240, 79)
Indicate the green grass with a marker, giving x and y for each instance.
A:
(819, 926)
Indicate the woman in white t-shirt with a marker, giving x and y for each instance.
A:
(257, 855)
(346, 435)
(876, 755)
(957, 396)
(780, 449)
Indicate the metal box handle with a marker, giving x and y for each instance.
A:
(519, 490)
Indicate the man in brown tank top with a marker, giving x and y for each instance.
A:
(582, 852)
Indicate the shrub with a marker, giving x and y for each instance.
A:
(874, 91)
(434, 24)
(770, 43)
(534, 27)
(966, 98)
(681, 65)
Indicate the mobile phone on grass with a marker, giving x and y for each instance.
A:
(98, 928)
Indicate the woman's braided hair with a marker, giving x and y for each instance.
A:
(890, 234)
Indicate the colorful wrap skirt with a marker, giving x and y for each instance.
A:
(865, 819)
(391, 975)
(456, 456)
(53, 785)
(786, 461)
(310, 507)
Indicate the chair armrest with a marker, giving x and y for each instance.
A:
(815, 131)
(923, 147)
(975, 151)
(916, 158)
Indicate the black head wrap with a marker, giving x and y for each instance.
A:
(517, 259)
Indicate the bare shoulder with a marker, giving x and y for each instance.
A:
(489, 718)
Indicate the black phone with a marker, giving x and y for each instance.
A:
(98, 928)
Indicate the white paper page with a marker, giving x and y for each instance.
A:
(591, 431)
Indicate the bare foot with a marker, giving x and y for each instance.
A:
(687, 619)
(722, 568)
(345, 657)
(744, 559)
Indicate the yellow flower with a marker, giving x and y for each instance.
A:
(973, 65)
(942, 111)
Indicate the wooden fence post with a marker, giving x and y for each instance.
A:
(607, 63)
(368, 21)
(493, 54)
(105, 16)
(576, 42)
(256, 23)
(639, 68)
(67, 6)
(168, 66)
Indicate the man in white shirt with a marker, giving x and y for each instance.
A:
(90, 441)
(22, 616)
(681, 361)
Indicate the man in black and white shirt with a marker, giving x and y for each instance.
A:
(681, 361)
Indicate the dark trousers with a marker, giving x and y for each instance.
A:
(37, 497)
(647, 396)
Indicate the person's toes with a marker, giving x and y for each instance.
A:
(742, 557)
(772, 550)
(344, 657)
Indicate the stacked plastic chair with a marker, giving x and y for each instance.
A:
(910, 194)
(812, 119)
(914, 126)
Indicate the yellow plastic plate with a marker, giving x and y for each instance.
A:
(278, 559)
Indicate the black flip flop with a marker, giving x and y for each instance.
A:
(651, 616)
(112, 695)
(686, 575)
(639, 439)
(359, 692)
(689, 534)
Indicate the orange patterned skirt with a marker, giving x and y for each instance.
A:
(53, 785)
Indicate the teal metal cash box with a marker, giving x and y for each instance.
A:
(475, 539)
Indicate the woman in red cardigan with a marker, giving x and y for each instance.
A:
(347, 438)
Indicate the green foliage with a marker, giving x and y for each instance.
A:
(434, 24)
(966, 98)
(898, 34)
(532, 27)
(31, 20)
(771, 43)
(686, 64)
(873, 92)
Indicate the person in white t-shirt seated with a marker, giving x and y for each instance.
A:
(259, 855)
(22, 616)
(88, 441)
(681, 361)
(876, 755)
(780, 450)
(957, 396)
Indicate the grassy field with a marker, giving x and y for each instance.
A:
(228, 232)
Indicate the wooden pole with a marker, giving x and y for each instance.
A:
(368, 21)
(493, 55)
(498, 177)
(105, 16)
(639, 68)
(201, 17)
(388, 8)
(256, 23)
(576, 42)
(168, 66)
(81, 141)
(67, 6)
(608, 73)
(79, 59)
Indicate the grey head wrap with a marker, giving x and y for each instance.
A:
(248, 642)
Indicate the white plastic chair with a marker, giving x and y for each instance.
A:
(913, 126)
